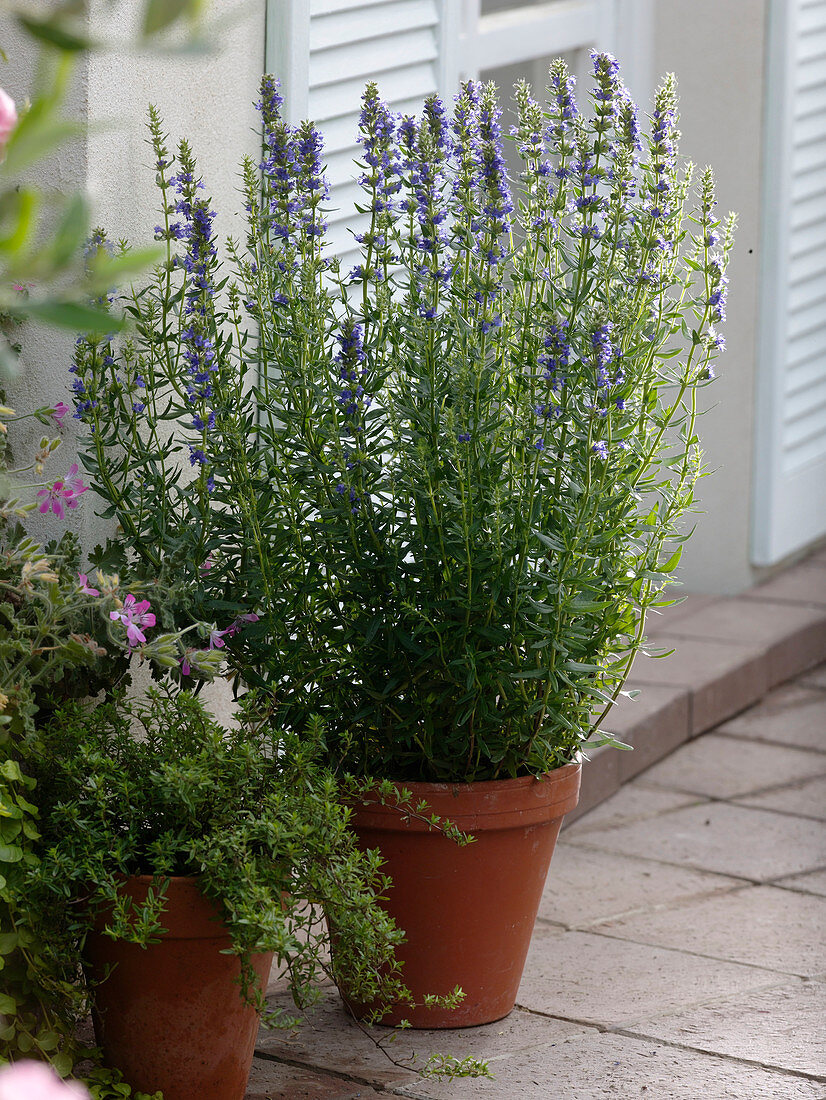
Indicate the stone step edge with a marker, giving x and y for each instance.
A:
(675, 722)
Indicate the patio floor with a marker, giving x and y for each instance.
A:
(679, 950)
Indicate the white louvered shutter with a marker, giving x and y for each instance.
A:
(790, 489)
(329, 49)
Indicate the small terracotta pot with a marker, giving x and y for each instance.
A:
(170, 1016)
(468, 912)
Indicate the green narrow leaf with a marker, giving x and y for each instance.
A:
(50, 31)
(72, 315)
(106, 271)
(672, 562)
(19, 207)
(30, 144)
(70, 234)
(8, 942)
(160, 14)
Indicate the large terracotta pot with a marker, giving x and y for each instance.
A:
(170, 1016)
(468, 912)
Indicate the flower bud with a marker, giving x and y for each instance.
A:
(163, 650)
(8, 117)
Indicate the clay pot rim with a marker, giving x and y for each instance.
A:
(490, 784)
(201, 919)
(489, 804)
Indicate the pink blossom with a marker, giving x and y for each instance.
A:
(207, 564)
(134, 615)
(61, 495)
(83, 581)
(235, 625)
(75, 483)
(37, 1081)
(216, 638)
(59, 411)
(186, 667)
(8, 117)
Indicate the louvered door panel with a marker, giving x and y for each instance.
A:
(790, 490)
(804, 414)
(396, 43)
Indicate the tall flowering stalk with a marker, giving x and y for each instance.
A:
(451, 480)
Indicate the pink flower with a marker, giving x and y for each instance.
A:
(8, 117)
(216, 638)
(134, 615)
(37, 1081)
(235, 626)
(76, 483)
(207, 564)
(186, 667)
(83, 581)
(59, 411)
(61, 495)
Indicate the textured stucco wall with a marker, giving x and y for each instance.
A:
(207, 98)
(43, 378)
(717, 50)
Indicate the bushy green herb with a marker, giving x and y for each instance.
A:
(451, 483)
(249, 811)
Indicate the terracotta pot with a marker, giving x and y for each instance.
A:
(170, 1016)
(468, 912)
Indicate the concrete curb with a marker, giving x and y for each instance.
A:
(728, 652)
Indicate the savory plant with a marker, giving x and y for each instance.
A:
(64, 634)
(249, 811)
(450, 482)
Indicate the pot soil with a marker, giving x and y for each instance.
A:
(170, 1016)
(468, 912)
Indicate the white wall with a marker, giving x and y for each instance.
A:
(717, 50)
(207, 98)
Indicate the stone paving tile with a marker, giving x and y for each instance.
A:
(276, 1081)
(615, 1067)
(781, 1027)
(633, 802)
(801, 584)
(812, 883)
(716, 836)
(726, 767)
(329, 1039)
(723, 677)
(793, 715)
(332, 1041)
(758, 926)
(815, 678)
(586, 886)
(803, 799)
(597, 979)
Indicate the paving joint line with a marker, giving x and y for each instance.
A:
(794, 1073)
(736, 736)
(690, 866)
(673, 906)
(700, 955)
(312, 1067)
